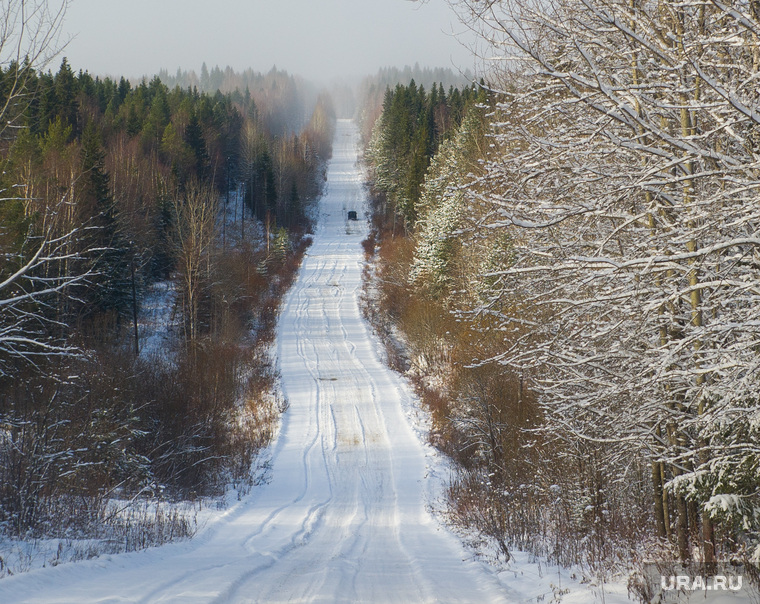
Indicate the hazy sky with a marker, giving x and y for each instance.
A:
(318, 39)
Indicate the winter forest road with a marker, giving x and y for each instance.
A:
(344, 517)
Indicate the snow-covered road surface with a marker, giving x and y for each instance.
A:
(344, 518)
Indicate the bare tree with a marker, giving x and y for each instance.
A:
(28, 326)
(195, 214)
(45, 267)
(29, 39)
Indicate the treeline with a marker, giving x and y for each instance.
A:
(405, 137)
(107, 189)
(287, 100)
(481, 414)
(577, 285)
(372, 90)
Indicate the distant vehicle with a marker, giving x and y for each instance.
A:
(352, 215)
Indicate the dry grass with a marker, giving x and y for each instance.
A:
(110, 427)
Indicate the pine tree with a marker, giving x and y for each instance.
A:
(124, 88)
(157, 120)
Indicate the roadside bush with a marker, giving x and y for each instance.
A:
(513, 483)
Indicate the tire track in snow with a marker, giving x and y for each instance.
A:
(346, 544)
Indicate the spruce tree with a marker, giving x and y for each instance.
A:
(110, 288)
(65, 95)
(197, 143)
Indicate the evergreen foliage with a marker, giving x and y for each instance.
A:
(441, 208)
(286, 100)
(405, 137)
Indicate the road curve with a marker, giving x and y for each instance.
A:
(344, 517)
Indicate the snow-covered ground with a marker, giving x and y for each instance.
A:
(157, 321)
(346, 515)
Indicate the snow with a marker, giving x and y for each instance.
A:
(156, 320)
(346, 515)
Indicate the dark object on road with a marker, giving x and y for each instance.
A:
(352, 215)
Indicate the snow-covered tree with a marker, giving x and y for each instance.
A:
(42, 261)
(27, 323)
(29, 39)
(625, 173)
(442, 204)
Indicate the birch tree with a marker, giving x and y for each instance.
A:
(626, 173)
(195, 213)
(47, 264)
(29, 39)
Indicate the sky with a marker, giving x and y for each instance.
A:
(321, 40)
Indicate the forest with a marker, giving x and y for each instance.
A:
(113, 192)
(565, 261)
(286, 99)
(562, 258)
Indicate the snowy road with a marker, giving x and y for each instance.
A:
(344, 518)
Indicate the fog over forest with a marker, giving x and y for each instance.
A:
(320, 41)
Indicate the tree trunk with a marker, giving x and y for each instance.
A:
(682, 529)
(659, 513)
(134, 309)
